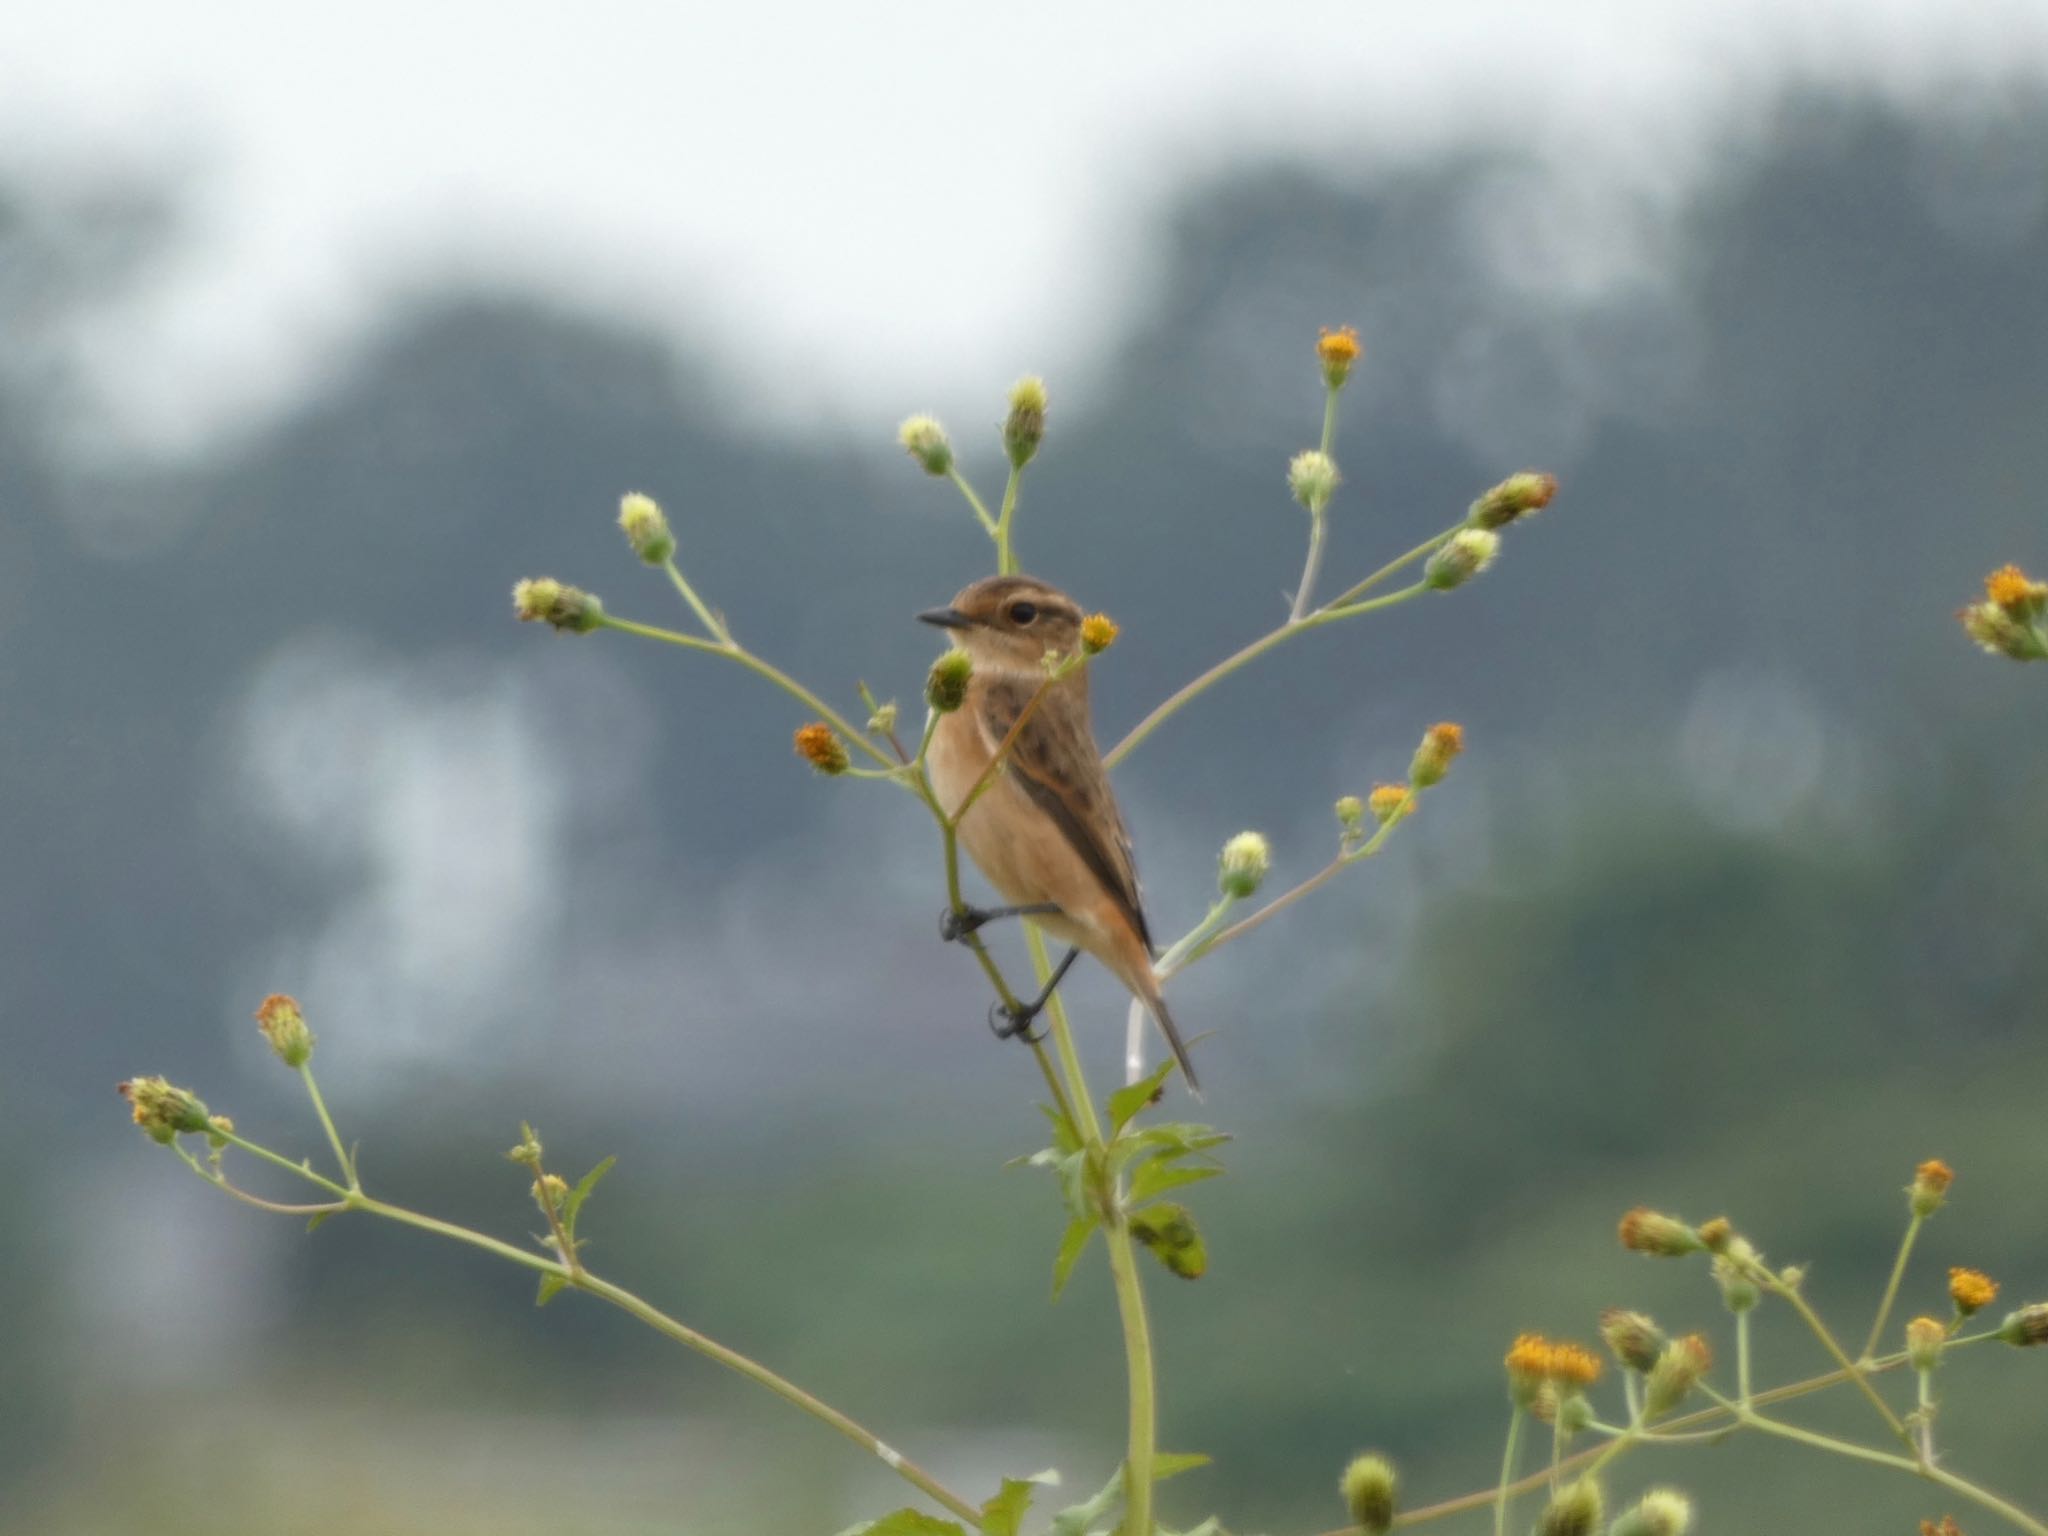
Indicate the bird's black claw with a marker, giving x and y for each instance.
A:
(956, 924)
(1006, 1023)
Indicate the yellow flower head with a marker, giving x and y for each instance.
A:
(1098, 633)
(1387, 801)
(1432, 760)
(1573, 1365)
(1971, 1290)
(284, 1026)
(1930, 1186)
(1338, 350)
(819, 745)
(2014, 591)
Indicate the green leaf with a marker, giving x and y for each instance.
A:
(1170, 1232)
(905, 1522)
(1064, 1135)
(1128, 1100)
(1073, 1175)
(550, 1287)
(313, 1225)
(1075, 1519)
(573, 1201)
(1004, 1514)
(1172, 1463)
(1155, 1176)
(1072, 1242)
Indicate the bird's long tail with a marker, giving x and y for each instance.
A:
(1156, 1005)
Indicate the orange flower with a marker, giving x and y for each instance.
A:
(819, 745)
(1387, 801)
(1971, 1290)
(1098, 633)
(1573, 1365)
(1338, 349)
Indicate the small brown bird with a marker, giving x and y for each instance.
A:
(1046, 833)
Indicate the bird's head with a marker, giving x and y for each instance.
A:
(1010, 623)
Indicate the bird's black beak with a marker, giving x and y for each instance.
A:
(946, 618)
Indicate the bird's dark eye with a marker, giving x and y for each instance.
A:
(1023, 613)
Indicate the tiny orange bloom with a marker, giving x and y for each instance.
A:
(1574, 1365)
(1971, 1290)
(819, 745)
(1529, 1356)
(1387, 801)
(1936, 1175)
(2014, 590)
(1339, 346)
(1098, 633)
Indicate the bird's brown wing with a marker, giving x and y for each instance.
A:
(1055, 761)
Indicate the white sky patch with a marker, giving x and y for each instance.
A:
(858, 209)
(434, 809)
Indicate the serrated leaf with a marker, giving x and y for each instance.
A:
(1073, 1175)
(551, 1286)
(1075, 1519)
(573, 1201)
(1128, 1100)
(1064, 1136)
(906, 1522)
(1003, 1515)
(313, 1224)
(1072, 1244)
(1156, 1176)
(1173, 1238)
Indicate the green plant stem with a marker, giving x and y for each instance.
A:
(988, 523)
(1304, 594)
(580, 1278)
(1820, 1331)
(348, 1164)
(1891, 1289)
(1142, 1444)
(220, 1182)
(1343, 608)
(713, 624)
(733, 651)
(1006, 558)
(1315, 882)
(1742, 1358)
(1395, 566)
(1507, 1472)
(1925, 1403)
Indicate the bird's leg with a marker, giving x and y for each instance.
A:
(957, 925)
(1015, 1023)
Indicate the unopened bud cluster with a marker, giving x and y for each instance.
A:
(1459, 558)
(1512, 498)
(1661, 1236)
(1924, 1338)
(2009, 622)
(1677, 1371)
(1574, 1511)
(165, 1111)
(1440, 744)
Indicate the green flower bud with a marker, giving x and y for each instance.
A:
(1526, 492)
(569, 609)
(1313, 479)
(1660, 1512)
(1024, 427)
(1574, 1512)
(1246, 858)
(284, 1026)
(646, 528)
(945, 689)
(163, 1110)
(1459, 558)
(925, 441)
(1370, 1487)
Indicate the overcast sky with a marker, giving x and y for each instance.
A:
(860, 207)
